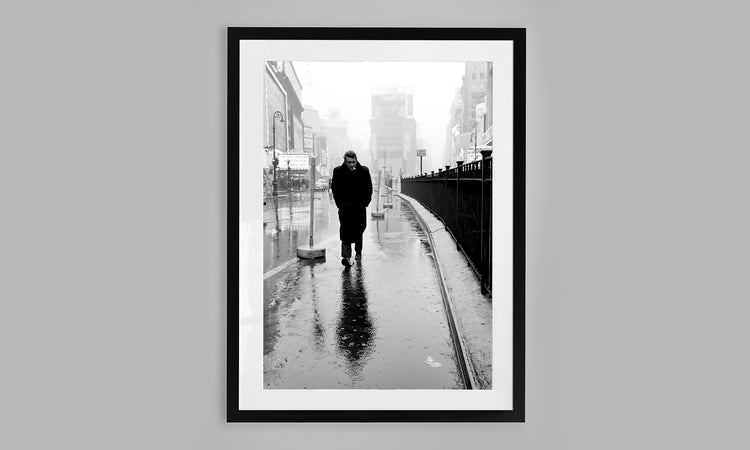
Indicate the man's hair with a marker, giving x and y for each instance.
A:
(350, 154)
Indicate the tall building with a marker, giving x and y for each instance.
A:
(454, 129)
(311, 119)
(274, 99)
(393, 131)
(471, 114)
(286, 77)
(474, 90)
(316, 142)
(282, 92)
(337, 140)
(487, 137)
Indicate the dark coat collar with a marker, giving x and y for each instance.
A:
(357, 168)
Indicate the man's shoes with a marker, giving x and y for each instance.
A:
(358, 256)
(345, 262)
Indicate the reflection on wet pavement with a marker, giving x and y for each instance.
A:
(354, 331)
(377, 325)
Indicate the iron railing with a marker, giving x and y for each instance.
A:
(461, 198)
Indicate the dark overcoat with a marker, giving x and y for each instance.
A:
(352, 192)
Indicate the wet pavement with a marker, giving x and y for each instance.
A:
(286, 224)
(380, 324)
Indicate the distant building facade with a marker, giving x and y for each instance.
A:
(471, 114)
(282, 92)
(474, 90)
(285, 75)
(316, 142)
(393, 130)
(454, 130)
(311, 119)
(336, 132)
(487, 136)
(274, 99)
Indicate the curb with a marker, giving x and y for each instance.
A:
(467, 367)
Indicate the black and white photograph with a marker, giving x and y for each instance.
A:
(378, 320)
(375, 241)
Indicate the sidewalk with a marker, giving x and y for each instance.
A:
(472, 310)
(379, 324)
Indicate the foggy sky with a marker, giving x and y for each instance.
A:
(347, 88)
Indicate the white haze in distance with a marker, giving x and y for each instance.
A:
(347, 88)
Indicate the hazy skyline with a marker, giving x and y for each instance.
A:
(347, 88)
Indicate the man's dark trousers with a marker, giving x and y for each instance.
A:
(353, 222)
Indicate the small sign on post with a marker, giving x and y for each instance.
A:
(421, 152)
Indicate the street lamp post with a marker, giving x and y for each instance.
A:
(289, 175)
(276, 115)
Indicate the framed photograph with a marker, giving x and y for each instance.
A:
(376, 224)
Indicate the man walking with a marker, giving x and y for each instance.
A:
(352, 192)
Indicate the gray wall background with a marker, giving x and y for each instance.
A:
(113, 177)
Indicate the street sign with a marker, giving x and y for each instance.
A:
(296, 161)
(421, 152)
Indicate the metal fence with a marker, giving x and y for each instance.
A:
(461, 198)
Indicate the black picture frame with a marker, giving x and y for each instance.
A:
(517, 36)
